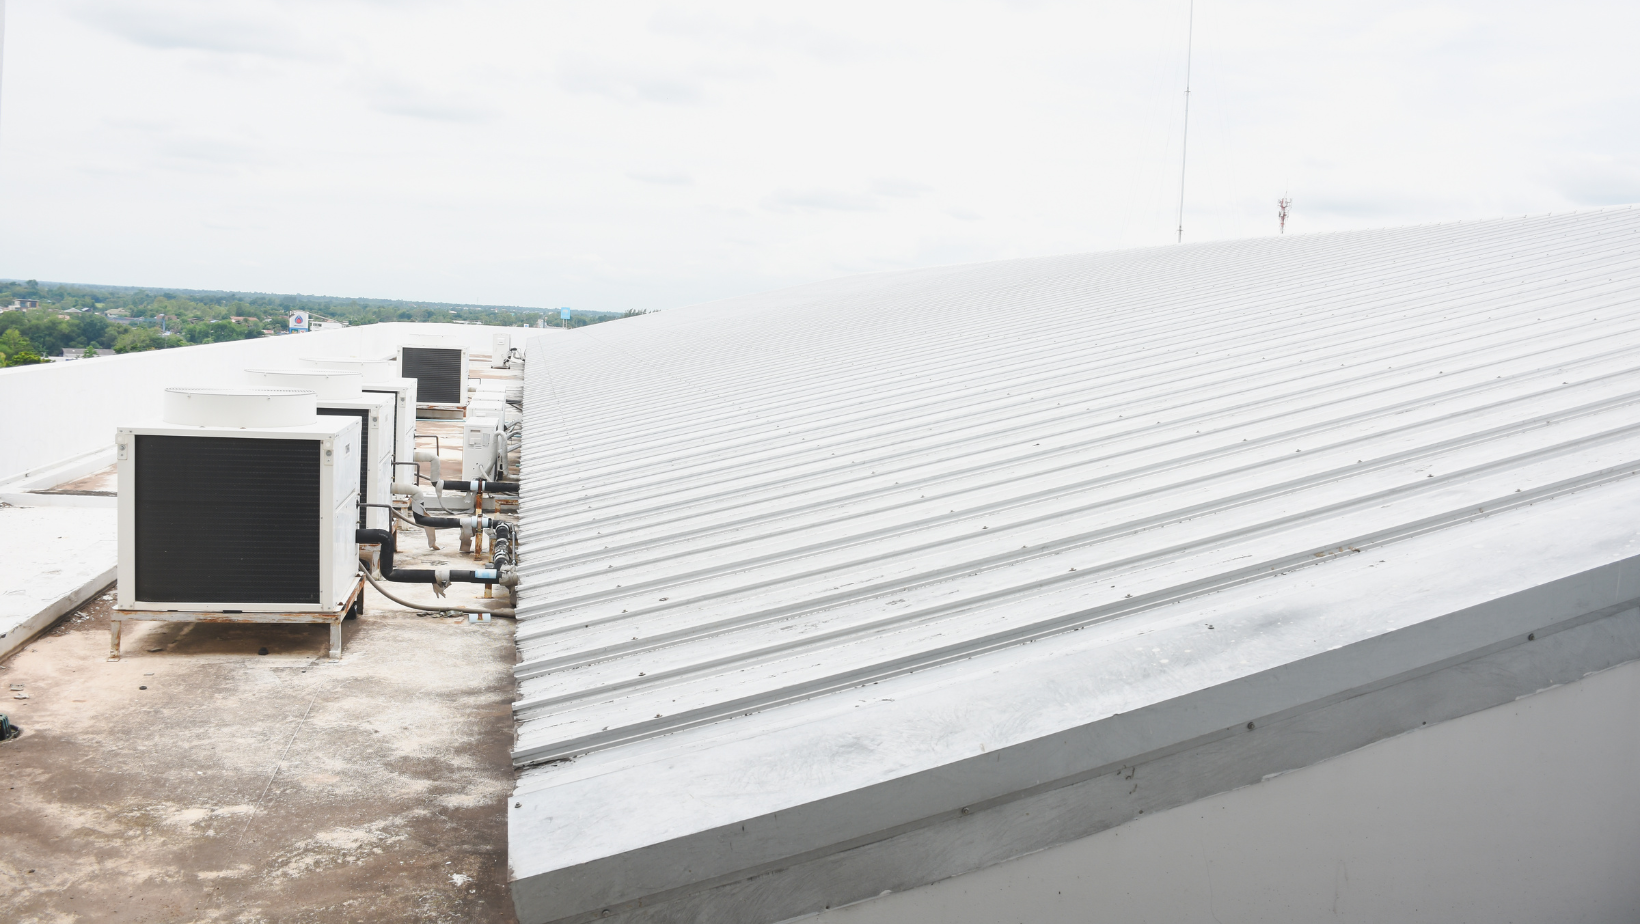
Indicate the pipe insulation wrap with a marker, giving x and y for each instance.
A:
(478, 486)
(497, 611)
(425, 455)
(443, 576)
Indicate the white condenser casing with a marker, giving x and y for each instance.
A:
(481, 442)
(500, 350)
(381, 376)
(240, 500)
(340, 393)
(489, 399)
(485, 406)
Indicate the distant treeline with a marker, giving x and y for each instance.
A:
(82, 318)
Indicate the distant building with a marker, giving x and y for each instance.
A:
(22, 304)
(72, 353)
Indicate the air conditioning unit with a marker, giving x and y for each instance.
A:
(440, 374)
(483, 405)
(341, 394)
(500, 350)
(482, 443)
(489, 399)
(242, 500)
(381, 376)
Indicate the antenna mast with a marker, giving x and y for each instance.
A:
(1282, 203)
(1184, 146)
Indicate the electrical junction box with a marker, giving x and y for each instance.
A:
(481, 443)
(381, 376)
(500, 350)
(340, 393)
(440, 374)
(240, 500)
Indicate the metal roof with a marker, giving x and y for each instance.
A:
(763, 505)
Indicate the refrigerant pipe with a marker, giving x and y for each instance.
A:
(440, 578)
(498, 611)
(470, 525)
(480, 486)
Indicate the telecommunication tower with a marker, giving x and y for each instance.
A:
(1283, 202)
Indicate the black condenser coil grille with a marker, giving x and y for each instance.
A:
(226, 520)
(364, 450)
(437, 371)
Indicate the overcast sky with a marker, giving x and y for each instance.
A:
(613, 155)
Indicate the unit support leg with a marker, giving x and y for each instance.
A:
(113, 640)
(336, 640)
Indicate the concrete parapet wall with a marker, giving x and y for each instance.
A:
(58, 411)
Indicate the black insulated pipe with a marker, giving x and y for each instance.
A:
(453, 522)
(480, 486)
(502, 554)
(384, 539)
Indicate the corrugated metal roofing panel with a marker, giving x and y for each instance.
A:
(809, 575)
(749, 503)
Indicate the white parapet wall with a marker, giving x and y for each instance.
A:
(60, 417)
(1521, 812)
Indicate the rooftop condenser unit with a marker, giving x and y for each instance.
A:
(440, 373)
(241, 501)
(381, 376)
(483, 449)
(340, 394)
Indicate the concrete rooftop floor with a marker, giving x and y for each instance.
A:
(240, 787)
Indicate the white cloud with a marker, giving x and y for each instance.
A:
(1599, 181)
(899, 188)
(241, 28)
(397, 97)
(820, 199)
(629, 83)
(662, 178)
(645, 154)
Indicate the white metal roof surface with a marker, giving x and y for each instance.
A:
(738, 506)
(811, 576)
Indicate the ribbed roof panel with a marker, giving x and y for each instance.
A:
(738, 506)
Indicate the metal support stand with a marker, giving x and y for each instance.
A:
(333, 619)
(441, 411)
